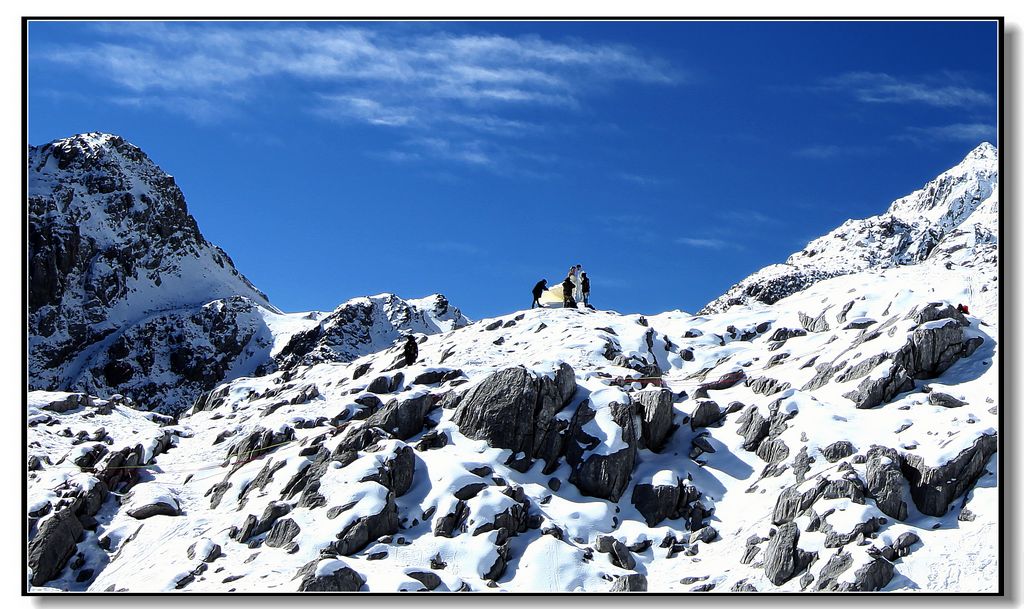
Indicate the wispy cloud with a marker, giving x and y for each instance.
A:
(707, 243)
(878, 87)
(957, 132)
(644, 181)
(418, 82)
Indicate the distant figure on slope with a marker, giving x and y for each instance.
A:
(537, 291)
(411, 351)
(585, 285)
(567, 290)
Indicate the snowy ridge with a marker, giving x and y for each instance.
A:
(915, 228)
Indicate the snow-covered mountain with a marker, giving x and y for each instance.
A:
(955, 212)
(841, 438)
(127, 296)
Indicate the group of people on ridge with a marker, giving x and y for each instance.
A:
(575, 288)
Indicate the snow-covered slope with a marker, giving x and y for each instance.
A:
(127, 296)
(959, 207)
(841, 438)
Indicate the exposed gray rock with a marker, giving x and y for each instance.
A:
(705, 414)
(655, 410)
(838, 450)
(54, 543)
(430, 580)
(783, 559)
(634, 582)
(599, 475)
(619, 554)
(815, 324)
(282, 533)
(885, 481)
(403, 419)
(515, 409)
(360, 533)
(933, 489)
(945, 400)
(340, 579)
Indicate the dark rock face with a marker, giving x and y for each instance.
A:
(655, 410)
(619, 554)
(706, 413)
(837, 450)
(634, 582)
(656, 503)
(885, 481)
(933, 488)
(55, 542)
(594, 473)
(154, 509)
(515, 409)
(360, 533)
(339, 579)
(403, 419)
(870, 578)
(783, 559)
(103, 257)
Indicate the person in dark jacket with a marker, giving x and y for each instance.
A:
(410, 350)
(585, 284)
(537, 291)
(567, 286)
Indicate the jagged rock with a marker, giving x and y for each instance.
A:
(783, 559)
(282, 532)
(449, 523)
(870, 578)
(767, 386)
(814, 324)
(706, 413)
(432, 440)
(658, 502)
(792, 502)
(404, 418)
(595, 474)
(934, 488)
(753, 427)
(619, 554)
(706, 535)
(743, 586)
(838, 450)
(515, 408)
(884, 481)
(54, 543)
(773, 451)
(436, 376)
(634, 582)
(360, 533)
(331, 575)
(655, 410)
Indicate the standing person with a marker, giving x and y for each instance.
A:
(537, 291)
(577, 279)
(411, 351)
(585, 282)
(567, 299)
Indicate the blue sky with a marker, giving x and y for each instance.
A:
(671, 159)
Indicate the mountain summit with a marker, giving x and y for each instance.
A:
(931, 224)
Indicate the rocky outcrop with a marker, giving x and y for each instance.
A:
(655, 410)
(933, 488)
(599, 469)
(658, 502)
(403, 418)
(885, 481)
(329, 575)
(783, 559)
(515, 409)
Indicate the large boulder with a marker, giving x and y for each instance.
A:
(515, 408)
(328, 575)
(885, 481)
(655, 409)
(602, 448)
(54, 543)
(783, 559)
(403, 418)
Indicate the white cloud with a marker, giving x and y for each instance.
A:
(957, 132)
(715, 244)
(879, 87)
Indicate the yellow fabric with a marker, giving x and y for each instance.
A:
(552, 297)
